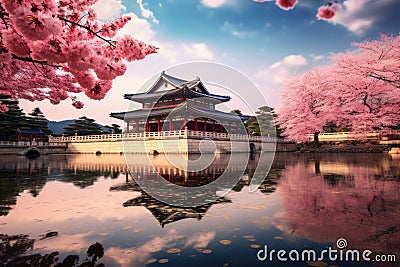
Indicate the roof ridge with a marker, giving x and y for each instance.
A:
(168, 77)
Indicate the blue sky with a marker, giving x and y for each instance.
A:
(260, 40)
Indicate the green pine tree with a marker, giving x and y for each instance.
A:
(113, 129)
(38, 121)
(83, 126)
(264, 122)
(11, 120)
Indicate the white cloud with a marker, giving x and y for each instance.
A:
(138, 28)
(108, 9)
(237, 31)
(200, 240)
(198, 51)
(360, 15)
(146, 13)
(282, 70)
(317, 57)
(214, 3)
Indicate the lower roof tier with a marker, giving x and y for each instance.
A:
(183, 110)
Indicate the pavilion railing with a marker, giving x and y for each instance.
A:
(145, 135)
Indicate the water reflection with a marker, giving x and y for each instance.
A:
(13, 247)
(307, 201)
(326, 198)
(18, 174)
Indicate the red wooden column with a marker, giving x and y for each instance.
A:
(213, 127)
(196, 126)
(127, 127)
(147, 126)
(137, 126)
(205, 125)
(158, 126)
(171, 126)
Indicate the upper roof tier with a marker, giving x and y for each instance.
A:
(168, 86)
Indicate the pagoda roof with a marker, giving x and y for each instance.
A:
(177, 82)
(167, 85)
(182, 108)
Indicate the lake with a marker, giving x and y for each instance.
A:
(86, 209)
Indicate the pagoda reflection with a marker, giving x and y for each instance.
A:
(166, 214)
(159, 168)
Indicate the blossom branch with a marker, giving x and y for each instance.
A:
(29, 59)
(110, 42)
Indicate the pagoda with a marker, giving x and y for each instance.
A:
(174, 104)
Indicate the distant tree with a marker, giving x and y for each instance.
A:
(264, 122)
(360, 90)
(83, 126)
(113, 129)
(37, 120)
(12, 119)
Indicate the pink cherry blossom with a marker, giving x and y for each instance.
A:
(54, 49)
(286, 4)
(110, 29)
(325, 12)
(5, 55)
(328, 11)
(99, 90)
(15, 43)
(35, 26)
(77, 104)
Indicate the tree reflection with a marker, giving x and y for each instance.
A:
(13, 248)
(356, 198)
(18, 174)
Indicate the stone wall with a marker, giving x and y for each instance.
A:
(129, 146)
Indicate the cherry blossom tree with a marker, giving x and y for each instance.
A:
(358, 89)
(54, 49)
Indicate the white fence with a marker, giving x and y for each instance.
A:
(345, 136)
(146, 135)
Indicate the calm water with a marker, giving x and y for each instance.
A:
(82, 208)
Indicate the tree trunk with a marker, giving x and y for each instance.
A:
(316, 141)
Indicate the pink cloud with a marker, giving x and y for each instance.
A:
(286, 4)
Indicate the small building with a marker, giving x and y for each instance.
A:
(173, 104)
(29, 135)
